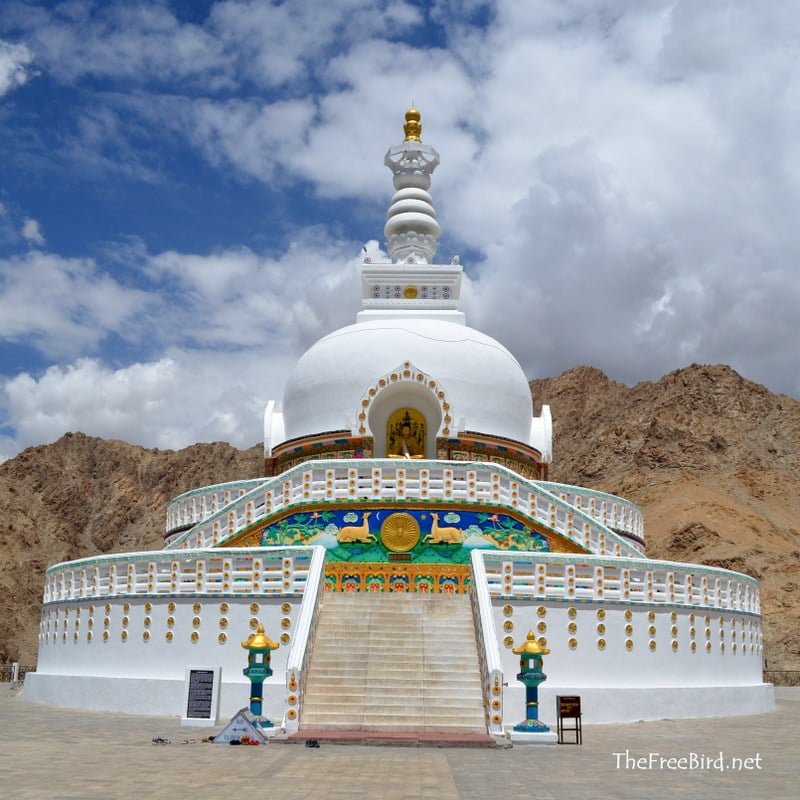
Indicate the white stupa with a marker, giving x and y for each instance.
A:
(403, 530)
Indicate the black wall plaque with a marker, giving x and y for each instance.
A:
(201, 692)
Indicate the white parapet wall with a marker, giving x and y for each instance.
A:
(117, 632)
(636, 639)
(588, 523)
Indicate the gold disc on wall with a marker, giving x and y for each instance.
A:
(400, 532)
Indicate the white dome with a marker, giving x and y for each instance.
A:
(485, 386)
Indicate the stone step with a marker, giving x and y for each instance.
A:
(390, 637)
(388, 629)
(378, 655)
(394, 716)
(421, 702)
(454, 730)
(420, 656)
(410, 644)
(397, 672)
(332, 689)
(385, 662)
(393, 723)
(442, 617)
(388, 679)
(360, 618)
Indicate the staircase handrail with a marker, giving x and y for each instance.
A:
(489, 650)
(300, 653)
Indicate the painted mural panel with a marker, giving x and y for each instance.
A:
(409, 534)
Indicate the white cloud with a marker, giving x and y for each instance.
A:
(226, 329)
(270, 44)
(230, 298)
(32, 232)
(15, 66)
(240, 299)
(643, 221)
(169, 403)
(63, 305)
(626, 174)
(283, 43)
(255, 137)
(144, 41)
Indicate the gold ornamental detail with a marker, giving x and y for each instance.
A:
(400, 532)
(413, 125)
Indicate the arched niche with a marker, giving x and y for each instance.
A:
(404, 388)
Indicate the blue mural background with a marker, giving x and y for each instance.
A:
(480, 529)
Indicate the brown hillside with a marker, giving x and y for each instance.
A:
(713, 458)
(82, 496)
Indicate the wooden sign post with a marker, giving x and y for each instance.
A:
(569, 707)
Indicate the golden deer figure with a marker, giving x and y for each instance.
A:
(443, 535)
(357, 533)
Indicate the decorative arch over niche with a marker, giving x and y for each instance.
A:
(406, 386)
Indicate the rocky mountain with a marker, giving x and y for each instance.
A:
(712, 458)
(714, 461)
(82, 496)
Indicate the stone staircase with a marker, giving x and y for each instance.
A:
(394, 663)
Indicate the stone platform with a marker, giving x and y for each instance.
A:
(55, 754)
(394, 738)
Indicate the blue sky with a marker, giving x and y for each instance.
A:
(185, 189)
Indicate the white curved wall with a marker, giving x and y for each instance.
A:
(485, 384)
(618, 684)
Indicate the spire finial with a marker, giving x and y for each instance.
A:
(411, 228)
(413, 126)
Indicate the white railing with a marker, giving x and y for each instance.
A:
(612, 511)
(192, 507)
(555, 576)
(228, 572)
(299, 655)
(387, 479)
(488, 649)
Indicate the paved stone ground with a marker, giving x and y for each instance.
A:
(53, 754)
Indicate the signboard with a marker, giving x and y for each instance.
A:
(201, 696)
(568, 706)
(243, 724)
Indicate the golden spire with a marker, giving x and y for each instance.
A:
(259, 641)
(413, 126)
(530, 647)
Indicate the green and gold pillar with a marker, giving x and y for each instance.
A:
(259, 647)
(530, 662)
